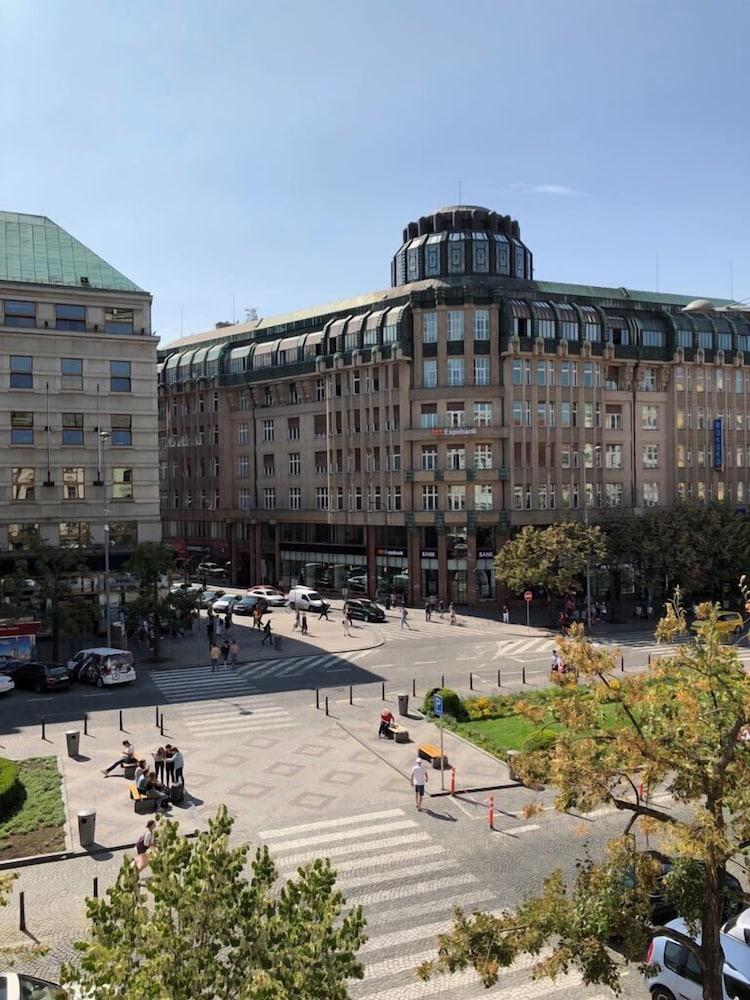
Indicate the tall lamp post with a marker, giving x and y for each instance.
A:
(104, 438)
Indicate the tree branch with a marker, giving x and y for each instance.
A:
(641, 810)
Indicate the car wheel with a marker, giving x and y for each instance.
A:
(99, 682)
(661, 993)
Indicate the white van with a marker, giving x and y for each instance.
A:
(305, 599)
(102, 666)
(678, 973)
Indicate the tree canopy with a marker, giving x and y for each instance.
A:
(551, 559)
(677, 727)
(200, 928)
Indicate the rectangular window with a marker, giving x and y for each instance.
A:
(123, 534)
(242, 431)
(482, 414)
(613, 418)
(21, 427)
(429, 328)
(456, 498)
(482, 456)
(651, 456)
(613, 456)
(429, 498)
(396, 459)
(21, 367)
(269, 467)
(648, 380)
(72, 373)
(70, 318)
(455, 324)
(428, 416)
(295, 463)
(23, 484)
(269, 498)
(122, 484)
(568, 374)
(429, 374)
(321, 498)
(21, 314)
(74, 534)
(613, 494)
(122, 430)
(456, 457)
(481, 324)
(72, 428)
(481, 370)
(521, 372)
(429, 457)
(295, 498)
(651, 494)
(73, 484)
(118, 321)
(454, 415)
(292, 429)
(456, 371)
(119, 376)
(483, 497)
(22, 536)
(649, 418)
(243, 467)
(268, 430)
(245, 499)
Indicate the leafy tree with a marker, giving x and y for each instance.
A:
(200, 927)
(677, 726)
(150, 562)
(551, 559)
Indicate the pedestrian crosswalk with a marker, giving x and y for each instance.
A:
(407, 884)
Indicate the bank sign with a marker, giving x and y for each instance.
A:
(718, 443)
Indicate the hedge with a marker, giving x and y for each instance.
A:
(452, 704)
(10, 787)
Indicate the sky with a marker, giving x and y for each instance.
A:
(229, 155)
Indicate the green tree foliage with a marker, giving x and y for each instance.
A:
(550, 559)
(678, 728)
(199, 927)
(149, 563)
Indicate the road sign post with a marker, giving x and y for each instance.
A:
(437, 708)
(528, 597)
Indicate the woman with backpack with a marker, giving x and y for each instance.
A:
(145, 843)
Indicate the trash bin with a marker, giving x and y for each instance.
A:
(403, 704)
(86, 826)
(512, 773)
(73, 739)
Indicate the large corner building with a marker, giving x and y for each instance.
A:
(78, 421)
(394, 440)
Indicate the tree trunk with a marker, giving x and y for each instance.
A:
(713, 958)
(157, 624)
(55, 632)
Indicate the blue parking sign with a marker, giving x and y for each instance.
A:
(437, 704)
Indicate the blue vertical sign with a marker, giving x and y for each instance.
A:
(718, 443)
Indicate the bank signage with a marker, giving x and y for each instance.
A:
(428, 553)
(718, 443)
(390, 552)
(452, 431)
(485, 553)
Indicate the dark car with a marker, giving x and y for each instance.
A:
(365, 610)
(42, 676)
(9, 665)
(246, 605)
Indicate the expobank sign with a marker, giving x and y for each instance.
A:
(446, 432)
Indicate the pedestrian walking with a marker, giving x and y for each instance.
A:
(218, 627)
(451, 614)
(404, 617)
(225, 647)
(441, 608)
(345, 623)
(169, 765)
(427, 610)
(296, 619)
(266, 634)
(506, 615)
(324, 611)
(234, 652)
(145, 843)
(211, 632)
(215, 654)
(419, 780)
(160, 758)
(304, 624)
(228, 621)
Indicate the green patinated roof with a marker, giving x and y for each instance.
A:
(35, 250)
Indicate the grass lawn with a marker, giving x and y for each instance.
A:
(38, 825)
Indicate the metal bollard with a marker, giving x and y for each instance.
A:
(44, 728)
(96, 887)
(471, 681)
(317, 698)
(442, 680)
(121, 728)
(161, 724)
(326, 704)
(622, 663)
(85, 723)
(351, 695)
(499, 678)
(382, 690)
(414, 687)
(492, 812)
(157, 716)
(523, 675)
(453, 781)
(21, 911)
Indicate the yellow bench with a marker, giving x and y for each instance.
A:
(141, 802)
(427, 751)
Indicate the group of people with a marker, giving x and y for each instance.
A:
(573, 612)
(168, 772)
(227, 652)
(432, 605)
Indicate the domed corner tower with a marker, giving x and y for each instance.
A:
(462, 240)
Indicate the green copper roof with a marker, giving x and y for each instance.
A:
(35, 250)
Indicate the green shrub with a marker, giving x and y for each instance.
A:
(10, 787)
(538, 742)
(452, 704)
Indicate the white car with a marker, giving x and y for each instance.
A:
(102, 666)
(678, 972)
(16, 986)
(274, 597)
(224, 604)
(6, 686)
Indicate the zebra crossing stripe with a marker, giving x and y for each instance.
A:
(340, 835)
(432, 906)
(324, 824)
(220, 727)
(351, 882)
(346, 850)
(522, 990)
(395, 938)
(407, 891)
(259, 714)
(380, 860)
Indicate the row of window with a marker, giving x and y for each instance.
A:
(704, 417)
(455, 457)
(71, 370)
(465, 251)
(546, 415)
(455, 328)
(704, 379)
(455, 415)
(455, 497)
(336, 462)
(706, 492)
(67, 317)
(703, 456)
(374, 498)
(456, 372)
(203, 500)
(73, 431)
(24, 485)
(709, 340)
(73, 534)
(204, 468)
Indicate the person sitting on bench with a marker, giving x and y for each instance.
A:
(148, 786)
(386, 721)
(127, 758)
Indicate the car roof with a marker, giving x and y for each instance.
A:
(103, 650)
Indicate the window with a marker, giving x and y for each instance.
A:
(22, 536)
(454, 415)
(321, 463)
(456, 457)
(429, 374)
(70, 318)
(429, 328)
(613, 418)
(394, 498)
(429, 457)
(568, 374)
(320, 390)
(613, 456)
(119, 376)
(244, 499)
(648, 380)
(455, 324)
(456, 498)
(395, 460)
(123, 534)
(521, 372)
(118, 321)
(321, 498)
(122, 431)
(269, 498)
(292, 429)
(650, 418)
(242, 431)
(269, 468)
(651, 494)
(74, 534)
(295, 498)
(482, 414)
(268, 430)
(72, 428)
(482, 456)
(483, 497)
(613, 494)
(21, 427)
(73, 485)
(72, 373)
(428, 416)
(243, 467)
(651, 456)
(481, 324)
(295, 463)
(21, 376)
(481, 371)
(20, 314)
(521, 413)
(122, 484)
(652, 338)
(429, 498)
(23, 484)
(456, 371)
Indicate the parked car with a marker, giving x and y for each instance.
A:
(678, 973)
(274, 597)
(225, 603)
(305, 599)
(103, 666)
(727, 622)
(207, 598)
(42, 676)
(246, 605)
(6, 686)
(16, 986)
(10, 664)
(365, 610)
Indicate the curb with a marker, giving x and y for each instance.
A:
(46, 859)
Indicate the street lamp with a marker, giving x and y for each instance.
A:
(104, 437)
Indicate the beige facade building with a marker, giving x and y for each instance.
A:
(78, 426)
(391, 442)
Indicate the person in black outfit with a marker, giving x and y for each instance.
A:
(228, 621)
(324, 611)
(266, 634)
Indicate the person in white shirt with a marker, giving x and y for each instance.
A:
(419, 780)
(179, 764)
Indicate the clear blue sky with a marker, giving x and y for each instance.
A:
(274, 151)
